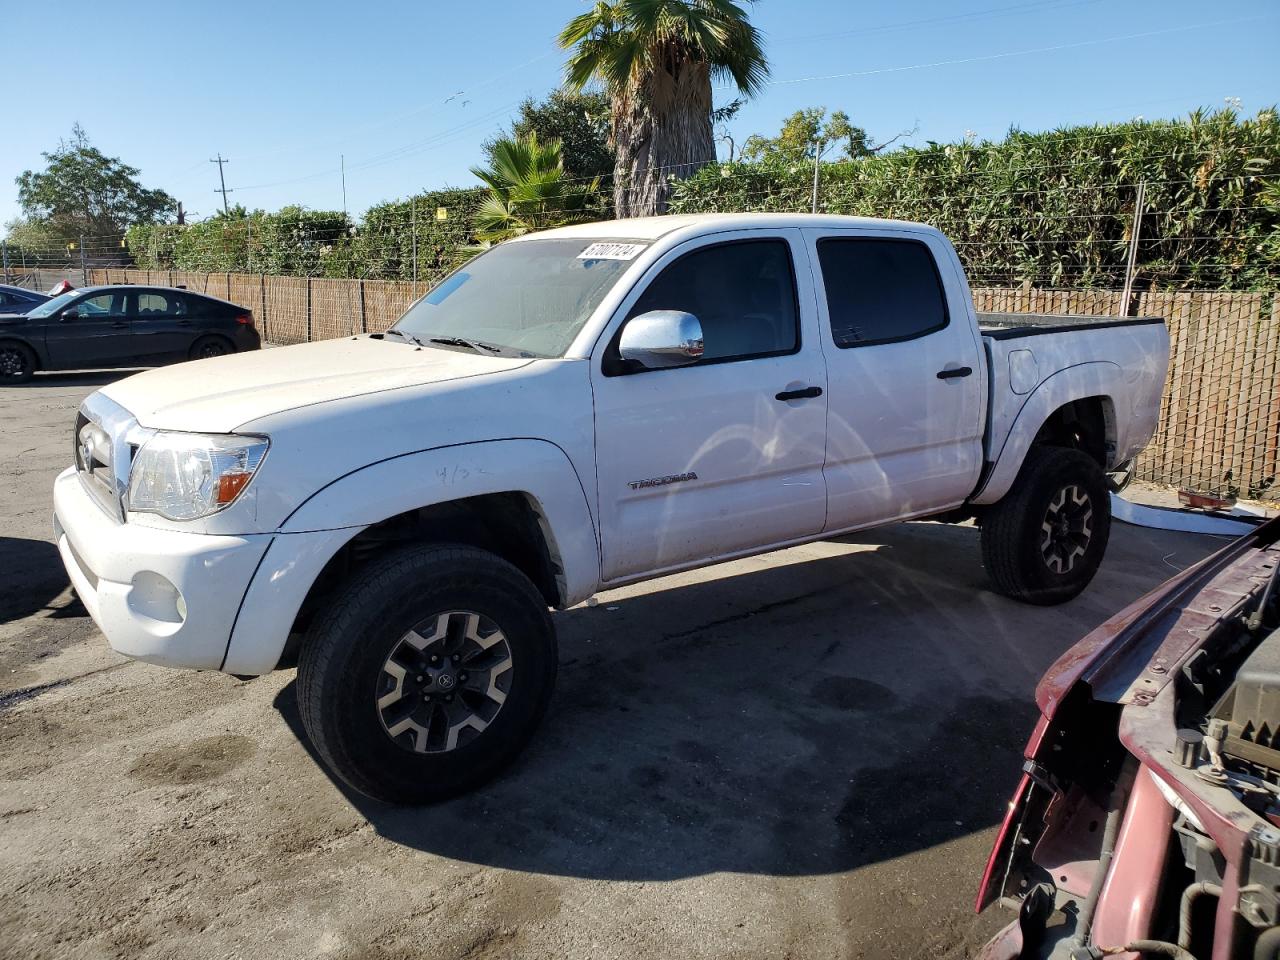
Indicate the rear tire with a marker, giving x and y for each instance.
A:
(1044, 541)
(17, 363)
(211, 346)
(427, 673)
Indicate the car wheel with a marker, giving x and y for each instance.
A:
(427, 674)
(207, 347)
(17, 362)
(1043, 542)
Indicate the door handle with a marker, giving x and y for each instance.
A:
(954, 373)
(806, 393)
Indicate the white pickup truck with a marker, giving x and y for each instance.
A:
(571, 411)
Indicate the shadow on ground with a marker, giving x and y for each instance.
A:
(803, 718)
(33, 577)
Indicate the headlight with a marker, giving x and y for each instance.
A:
(185, 476)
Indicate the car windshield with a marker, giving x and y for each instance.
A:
(50, 307)
(529, 298)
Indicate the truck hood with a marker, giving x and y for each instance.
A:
(222, 393)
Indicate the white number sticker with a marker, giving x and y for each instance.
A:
(611, 251)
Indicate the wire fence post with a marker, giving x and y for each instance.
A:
(413, 221)
(84, 265)
(364, 326)
(248, 245)
(817, 166)
(308, 309)
(4, 253)
(1139, 202)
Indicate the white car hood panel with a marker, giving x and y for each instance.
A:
(222, 393)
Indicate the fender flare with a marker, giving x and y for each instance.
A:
(1094, 378)
(327, 520)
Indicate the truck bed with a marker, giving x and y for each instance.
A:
(1027, 351)
(1006, 326)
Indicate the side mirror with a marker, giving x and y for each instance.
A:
(71, 314)
(662, 338)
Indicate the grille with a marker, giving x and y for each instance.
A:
(93, 458)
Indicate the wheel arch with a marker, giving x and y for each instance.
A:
(1074, 408)
(463, 494)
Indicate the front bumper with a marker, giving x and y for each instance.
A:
(161, 596)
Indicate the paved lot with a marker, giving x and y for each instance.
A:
(801, 755)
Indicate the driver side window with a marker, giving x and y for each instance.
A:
(96, 306)
(743, 293)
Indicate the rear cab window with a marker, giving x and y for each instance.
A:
(880, 290)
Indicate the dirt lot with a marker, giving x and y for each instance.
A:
(801, 755)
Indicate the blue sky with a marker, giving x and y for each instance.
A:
(283, 89)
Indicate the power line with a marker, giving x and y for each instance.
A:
(1013, 53)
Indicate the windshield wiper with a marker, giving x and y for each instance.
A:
(475, 345)
(408, 336)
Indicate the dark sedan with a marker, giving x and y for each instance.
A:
(121, 326)
(19, 300)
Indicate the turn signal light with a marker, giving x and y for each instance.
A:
(230, 485)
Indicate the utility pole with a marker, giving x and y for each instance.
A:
(223, 180)
(342, 162)
(1139, 203)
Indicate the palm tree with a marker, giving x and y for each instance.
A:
(656, 59)
(528, 190)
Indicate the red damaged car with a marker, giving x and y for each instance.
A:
(1147, 820)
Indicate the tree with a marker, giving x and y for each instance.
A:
(806, 131)
(528, 190)
(579, 120)
(656, 60)
(82, 192)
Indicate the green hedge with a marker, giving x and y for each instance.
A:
(1055, 208)
(292, 241)
(1051, 209)
(318, 243)
(384, 244)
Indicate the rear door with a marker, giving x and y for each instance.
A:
(162, 327)
(98, 335)
(906, 399)
(724, 455)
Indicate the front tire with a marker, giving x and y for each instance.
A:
(17, 363)
(427, 673)
(1044, 541)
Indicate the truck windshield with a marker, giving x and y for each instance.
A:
(530, 297)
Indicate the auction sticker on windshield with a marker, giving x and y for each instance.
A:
(611, 251)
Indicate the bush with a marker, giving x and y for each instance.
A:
(383, 246)
(1055, 208)
(294, 241)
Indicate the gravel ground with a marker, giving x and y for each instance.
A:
(799, 755)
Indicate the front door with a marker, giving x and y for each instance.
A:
(724, 455)
(907, 401)
(97, 335)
